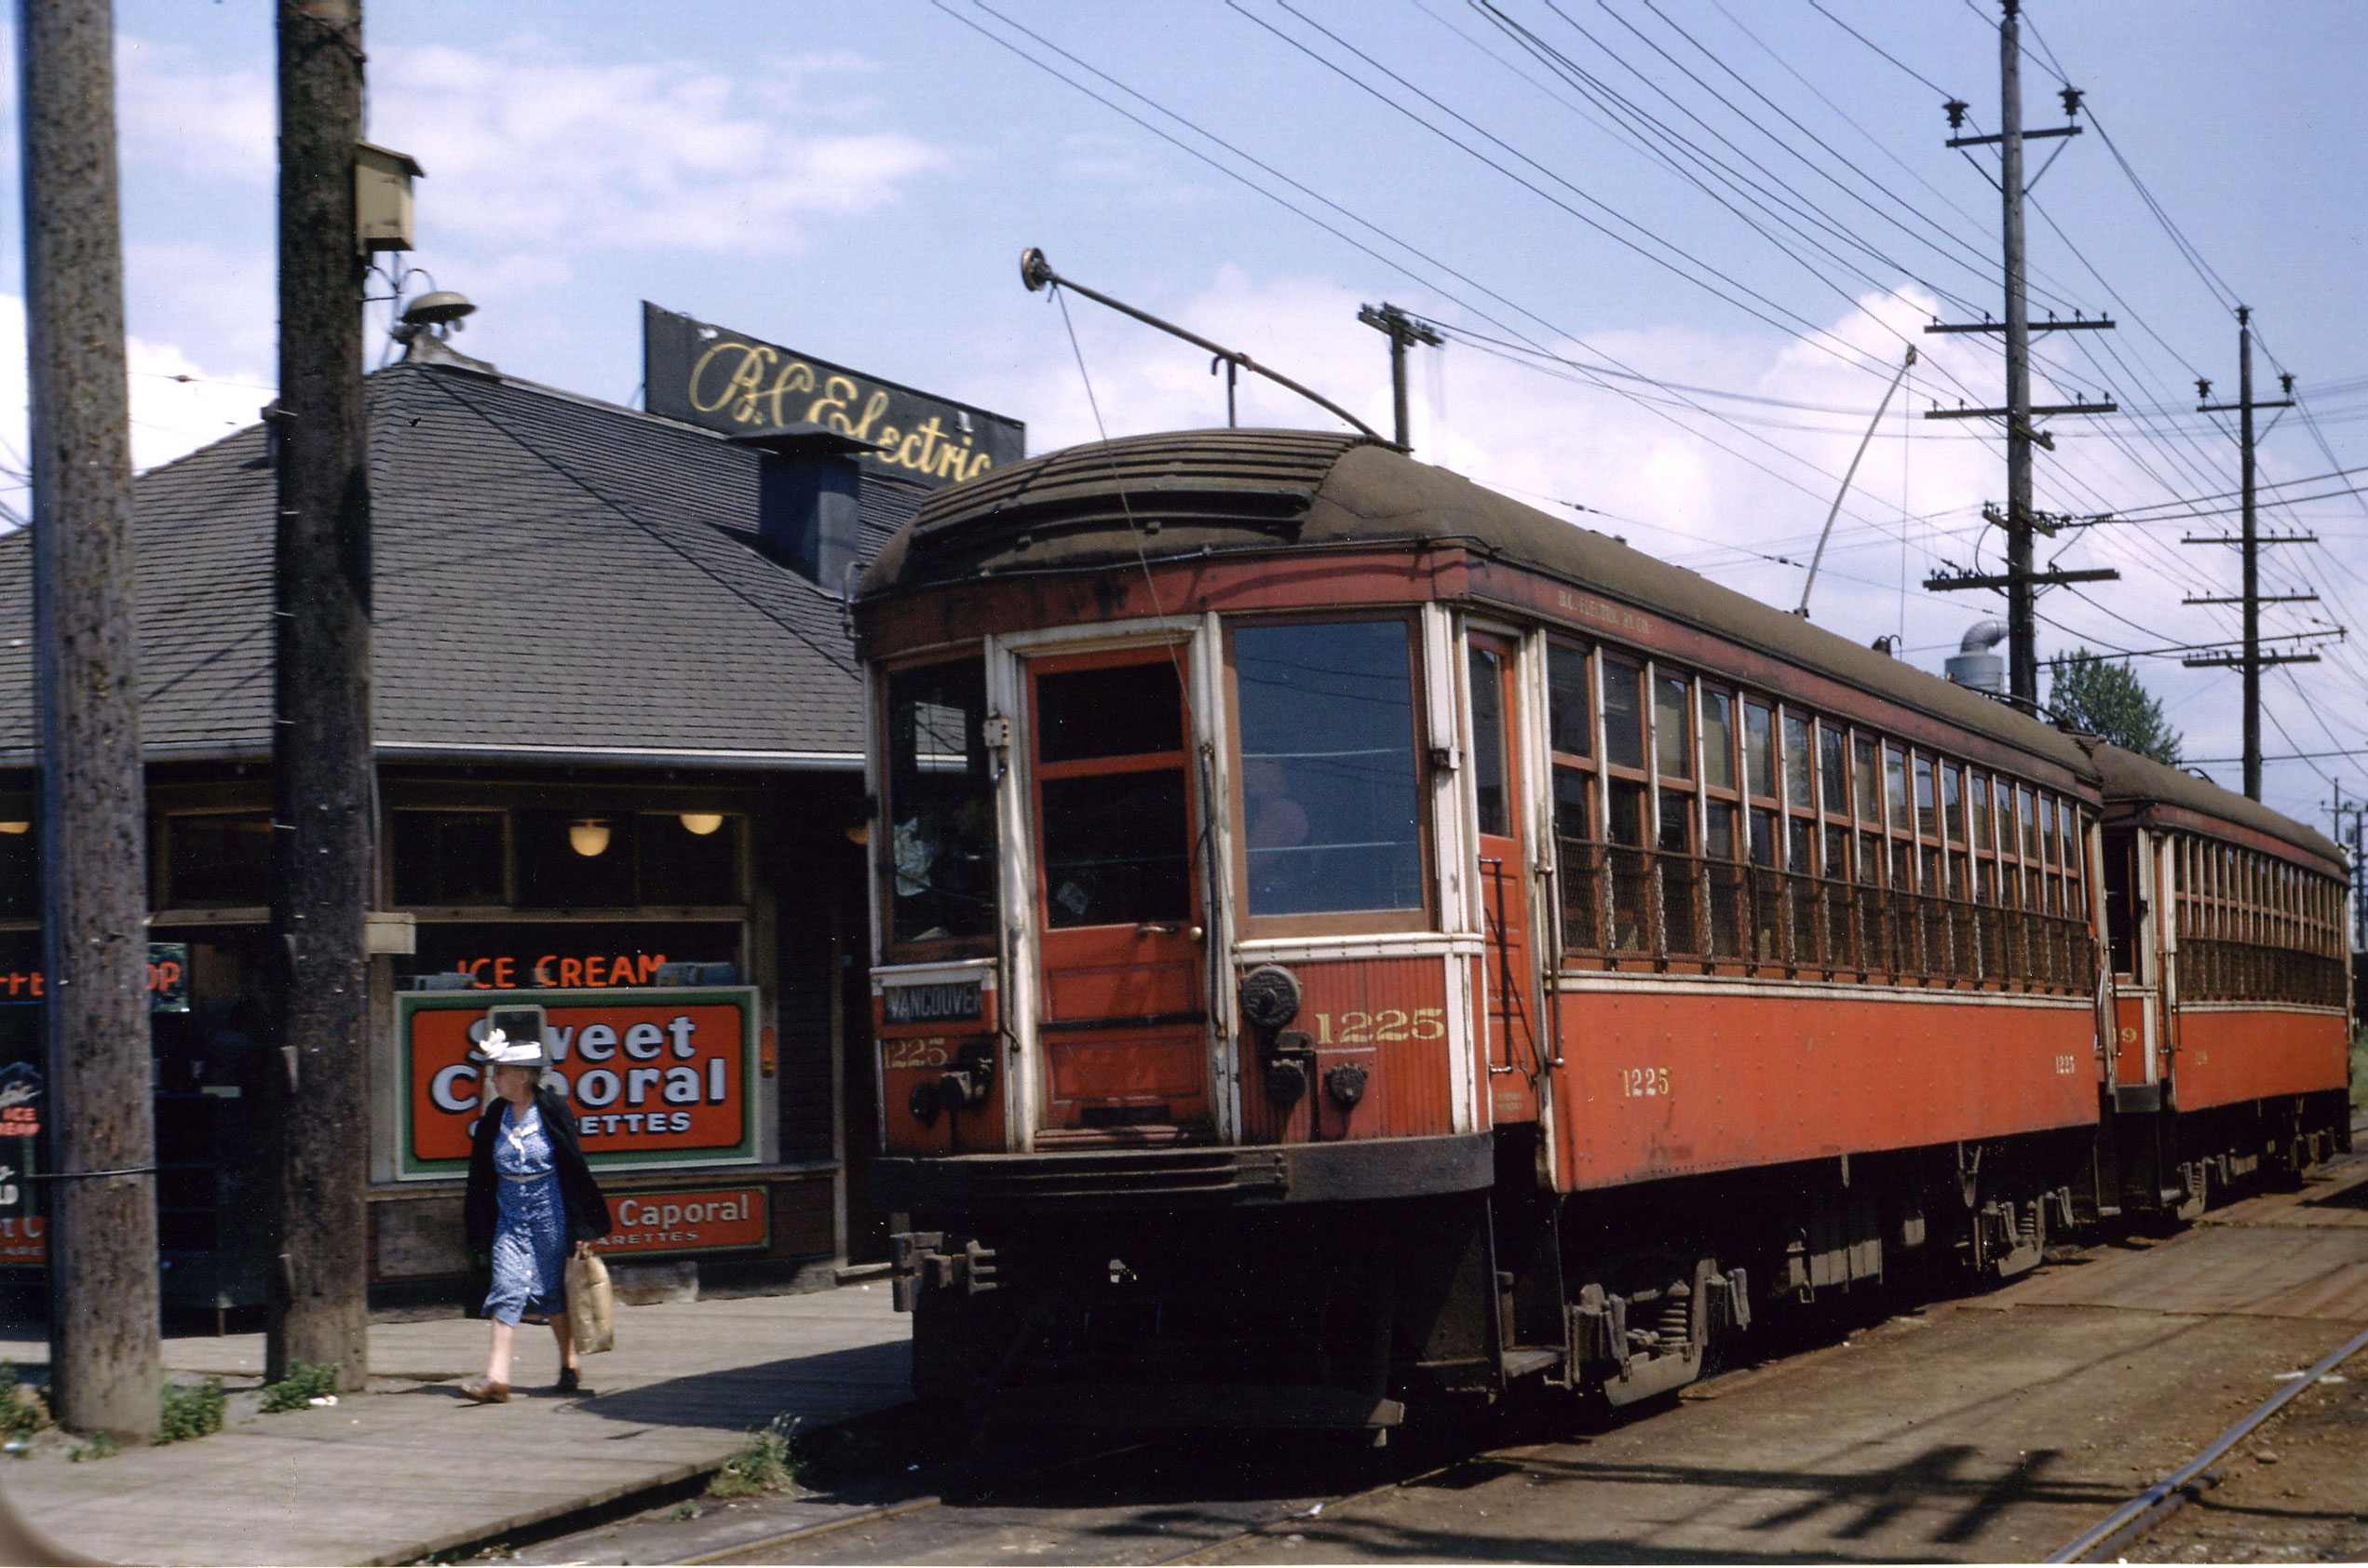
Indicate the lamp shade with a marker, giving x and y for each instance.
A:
(698, 824)
(588, 836)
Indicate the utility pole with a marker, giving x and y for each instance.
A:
(2020, 581)
(104, 1364)
(322, 777)
(1401, 330)
(2356, 933)
(2251, 661)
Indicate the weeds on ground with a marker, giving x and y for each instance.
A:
(191, 1411)
(100, 1445)
(768, 1461)
(301, 1386)
(24, 1409)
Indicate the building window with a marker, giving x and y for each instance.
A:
(574, 859)
(217, 860)
(688, 857)
(451, 858)
(19, 868)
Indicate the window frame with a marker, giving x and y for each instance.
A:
(1426, 916)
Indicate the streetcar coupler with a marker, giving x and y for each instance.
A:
(920, 1262)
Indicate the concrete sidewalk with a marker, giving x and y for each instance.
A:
(410, 1468)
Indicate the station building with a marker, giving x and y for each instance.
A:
(619, 724)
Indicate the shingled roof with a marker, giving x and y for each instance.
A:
(556, 578)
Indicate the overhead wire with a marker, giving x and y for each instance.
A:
(1783, 451)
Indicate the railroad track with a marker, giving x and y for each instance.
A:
(1989, 1428)
(1139, 1522)
(2142, 1513)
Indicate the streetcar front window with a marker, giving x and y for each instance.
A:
(1112, 813)
(939, 859)
(1329, 804)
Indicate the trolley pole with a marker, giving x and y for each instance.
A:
(1401, 330)
(322, 777)
(103, 1352)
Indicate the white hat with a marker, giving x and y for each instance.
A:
(499, 1050)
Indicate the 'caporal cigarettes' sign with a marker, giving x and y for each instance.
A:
(655, 1078)
(728, 1220)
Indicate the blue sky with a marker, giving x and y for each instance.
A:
(1736, 195)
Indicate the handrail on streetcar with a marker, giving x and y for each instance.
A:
(1035, 272)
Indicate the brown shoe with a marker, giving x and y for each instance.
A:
(485, 1391)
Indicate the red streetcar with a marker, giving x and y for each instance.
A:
(1343, 937)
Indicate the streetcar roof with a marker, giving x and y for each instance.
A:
(1248, 492)
(2136, 781)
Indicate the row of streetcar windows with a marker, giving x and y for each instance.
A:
(1702, 826)
(2254, 927)
(1707, 826)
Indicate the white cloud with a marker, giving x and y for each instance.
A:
(527, 147)
(205, 124)
(524, 147)
(1666, 484)
(178, 404)
(1721, 497)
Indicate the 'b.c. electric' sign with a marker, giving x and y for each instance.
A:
(728, 381)
(655, 1078)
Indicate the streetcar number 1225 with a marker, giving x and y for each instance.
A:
(1390, 1023)
(1635, 1083)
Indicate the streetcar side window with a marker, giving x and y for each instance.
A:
(1723, 883)
(1718, 739)
(1623, 714)
(1570, 721)
(1673, 737)
(1570, 716)
(939, 859)
(1331, 803)
(1759, 750)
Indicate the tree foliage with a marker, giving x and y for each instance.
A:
(2104, 698)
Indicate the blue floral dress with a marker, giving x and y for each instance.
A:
(530, 1230)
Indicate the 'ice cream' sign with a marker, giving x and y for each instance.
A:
(655, 1078)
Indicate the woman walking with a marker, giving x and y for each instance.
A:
(530, 1197)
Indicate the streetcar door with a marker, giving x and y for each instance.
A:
(1122, 1013)
(2136, 1059)
(1513, 1049)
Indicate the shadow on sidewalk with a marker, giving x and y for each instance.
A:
(827, 1387)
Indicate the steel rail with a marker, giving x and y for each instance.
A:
(2178, 1488)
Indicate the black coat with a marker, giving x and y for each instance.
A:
(587, 1209)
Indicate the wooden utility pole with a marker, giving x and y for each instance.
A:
(321, 781)
(2020, 581)
(2252, 660)
(1401, 330)
(104, 1356)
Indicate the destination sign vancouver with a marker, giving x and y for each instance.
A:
(709, 375)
